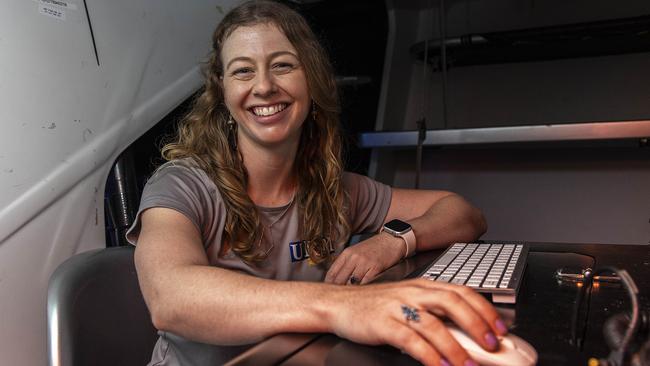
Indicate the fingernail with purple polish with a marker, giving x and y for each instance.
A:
(470, 363)
(444, 362)
(491, 340)
(501, 327)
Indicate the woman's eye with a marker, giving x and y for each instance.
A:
(283, 67)
(242, 72)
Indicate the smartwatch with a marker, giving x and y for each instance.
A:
(401, 229)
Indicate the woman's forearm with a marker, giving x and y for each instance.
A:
(188, 297)
(451, 219)
(218, 306)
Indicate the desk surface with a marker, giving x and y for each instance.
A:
(563, 321)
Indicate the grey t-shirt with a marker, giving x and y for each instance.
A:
(183, 186)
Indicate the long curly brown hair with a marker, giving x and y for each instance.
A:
(204, 136)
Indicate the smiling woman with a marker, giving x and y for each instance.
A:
(237, 231)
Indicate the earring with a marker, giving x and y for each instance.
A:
(232, 136)
(314, 113)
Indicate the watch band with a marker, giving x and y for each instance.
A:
(409, 240)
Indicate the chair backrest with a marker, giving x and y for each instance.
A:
(95, 312)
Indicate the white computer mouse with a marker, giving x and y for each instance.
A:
(513, 351)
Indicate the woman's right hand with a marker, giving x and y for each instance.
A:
(377, 314)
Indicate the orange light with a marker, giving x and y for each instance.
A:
(593, 362)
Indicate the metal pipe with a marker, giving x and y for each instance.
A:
(122, 205)
(443, 61)
(496, 135)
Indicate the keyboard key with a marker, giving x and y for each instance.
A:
(445, 278)
(490, 283)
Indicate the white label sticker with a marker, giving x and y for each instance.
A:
(51, 12)
(64, 4)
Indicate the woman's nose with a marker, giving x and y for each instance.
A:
(264, 84)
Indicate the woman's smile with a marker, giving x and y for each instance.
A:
(266, 111)
(270, 113)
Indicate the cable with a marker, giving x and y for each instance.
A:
(617, 357)
(422, 134)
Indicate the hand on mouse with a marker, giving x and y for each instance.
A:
(409, 315)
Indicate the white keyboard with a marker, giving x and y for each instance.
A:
(496, 269)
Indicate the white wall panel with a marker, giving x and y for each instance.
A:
(64, 118)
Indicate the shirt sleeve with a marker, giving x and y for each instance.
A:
(369, 202)
(182, 188)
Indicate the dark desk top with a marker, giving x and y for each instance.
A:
(563, 321)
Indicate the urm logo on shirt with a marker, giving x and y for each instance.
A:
(298, 250)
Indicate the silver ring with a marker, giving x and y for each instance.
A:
(353, 280)
(411, 314)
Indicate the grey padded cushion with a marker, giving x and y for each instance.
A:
(96, 313)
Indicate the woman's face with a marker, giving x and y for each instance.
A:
(265, 88)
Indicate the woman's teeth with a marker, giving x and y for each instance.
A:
(268, 111)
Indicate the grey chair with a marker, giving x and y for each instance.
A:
(95, 312)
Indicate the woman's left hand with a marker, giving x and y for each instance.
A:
(362, 262)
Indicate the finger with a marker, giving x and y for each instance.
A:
(456, 308)
(408, 340)
(344, 274)
(370, 275)
(358, 276)
(355, 266)
(435, 332)
(481, 305)
(362, 273)
(335, 268)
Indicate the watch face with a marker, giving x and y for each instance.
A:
(398, 225)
